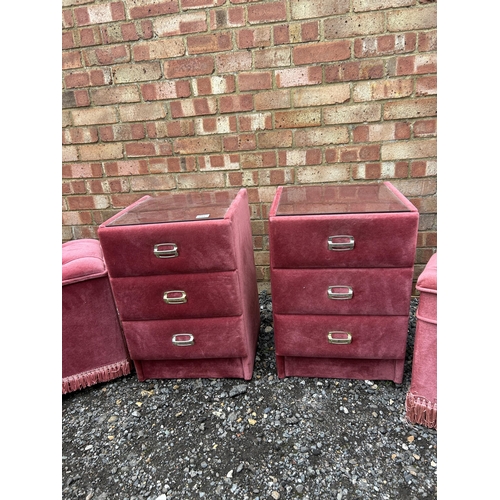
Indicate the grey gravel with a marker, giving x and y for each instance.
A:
(267, 438)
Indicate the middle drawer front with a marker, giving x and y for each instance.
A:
(370, 337)
(178, 296)
(186, 339)
(342, 291)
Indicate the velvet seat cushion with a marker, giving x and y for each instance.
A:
(93, 346)
(421, 400)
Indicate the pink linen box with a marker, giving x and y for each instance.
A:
(341, 277)
(421, 399)
(93, 346)
(182, 270)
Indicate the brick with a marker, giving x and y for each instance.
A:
(416, 65)
(214, 85)
(355, 113)
(197, 145)
(67, 18)
(158, 49)
(352, 25)
(232, 17)
(376, 171)
(384, 89)
(297, 119)
(236, 104)
(275, 139)
(75, 98)
(129, 73)
(179, 128)
(234, 62)
(153, 183)
(141, 112)
(309, 32)
(136, 149)
(359, 153)
(74, 187)
(81, 170)
(416, 18)
(115, 95)
(94, 116)
(423, 168)
(425, 128)
(408, 150)
(200, 4)
(68, 41)
(165, 90)
(193, 107)
(215, 125)
(101, 13)
(355, 70)
(89, 36)
(125, 200)
(122, 132)
(107, 56)
(109, 186)
(322, 174)
(426, 85)
(276, 177)
(364, 5)
(126, 168)
(320, 96)
(275, 99)
(414, 108)
(71, 60)
(385, 45)
(189, 66)
(87, 202)
(253, 38)
(254, 81)
(267, 12)
(89, 78)
(317, 8)
(151, 8)
(203, 180)
(193, 22)
(320, 52)
(272, 58)
(379, 132)
(258, 160)
(214, 42)
(255, 121)
(100, 152)
(299, 157)
(281, 34)
(242, 179)
(127, 32)
(76, 218)
(427, 41)
(241, 142)
(172, 165)
(219, 162)
(295, 77)
(322, 136)
(80, 135)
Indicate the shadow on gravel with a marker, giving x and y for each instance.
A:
(266, 438)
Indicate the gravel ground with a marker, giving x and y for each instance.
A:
(267, 438)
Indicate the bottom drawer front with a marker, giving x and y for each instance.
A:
(186, 339)
(371, 337)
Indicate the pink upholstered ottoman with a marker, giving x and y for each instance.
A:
(421, 400)
(93, 346)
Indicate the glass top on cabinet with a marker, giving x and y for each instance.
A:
(343, 199)
(177, 207)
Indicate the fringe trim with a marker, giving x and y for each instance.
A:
(102, 374)
(420, 410)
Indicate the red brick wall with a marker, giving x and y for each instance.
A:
(165, 95)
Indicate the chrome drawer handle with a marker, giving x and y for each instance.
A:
(175, 297)
(341, 295)
(345, 339)
(165, 253)
(183, 339)
(342, 244)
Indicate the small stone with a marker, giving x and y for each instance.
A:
(237, 390)
(275, 495)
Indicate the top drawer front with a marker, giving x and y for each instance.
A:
(170, 248)
(344, 240)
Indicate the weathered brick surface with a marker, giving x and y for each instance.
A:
(166, 95)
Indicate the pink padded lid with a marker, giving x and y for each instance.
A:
(427, 281)
(82, 260)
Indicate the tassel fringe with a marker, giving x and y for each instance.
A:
(102, 374)
(421, 411)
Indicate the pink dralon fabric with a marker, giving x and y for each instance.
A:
(421, 399)
(93, 346)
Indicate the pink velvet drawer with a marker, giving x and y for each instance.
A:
(427, 286)
(187, 338)
(373, 337)
(183, 247)
(177, 296)
(379, 239)
(385, 291)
